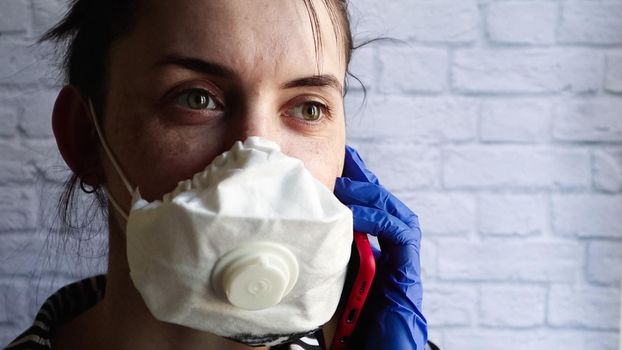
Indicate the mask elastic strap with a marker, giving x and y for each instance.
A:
(116, 206)
(113, 160)
(116, 165)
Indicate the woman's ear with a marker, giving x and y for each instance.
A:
(75, 135)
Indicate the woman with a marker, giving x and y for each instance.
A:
(174, 84)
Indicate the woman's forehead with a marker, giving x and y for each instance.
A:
(251, 37)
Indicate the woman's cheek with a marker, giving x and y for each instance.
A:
(323, 160)
(158, 158)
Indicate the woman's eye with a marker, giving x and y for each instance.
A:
(308, 111)
(196, 99)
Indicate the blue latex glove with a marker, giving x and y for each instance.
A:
(391, 318)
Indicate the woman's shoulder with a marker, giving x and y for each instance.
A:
(64, 305)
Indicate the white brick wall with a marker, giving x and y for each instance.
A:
(506, 215)
(526, 70)
(499, 122)
(522, 22)
(591, 23)
(594, 120)
(515, 120)
(14, 16)
(613, 78)
(525, 304)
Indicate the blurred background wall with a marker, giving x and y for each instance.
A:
(498, 122)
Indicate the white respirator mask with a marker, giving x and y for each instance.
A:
(253, 248)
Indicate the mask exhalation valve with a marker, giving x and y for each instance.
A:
(256, 275)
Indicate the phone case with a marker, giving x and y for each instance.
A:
(365, 264)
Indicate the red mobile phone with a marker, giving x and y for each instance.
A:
(364, 265)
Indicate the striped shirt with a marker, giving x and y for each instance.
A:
(74, 299)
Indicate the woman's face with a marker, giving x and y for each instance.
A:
(193, 77)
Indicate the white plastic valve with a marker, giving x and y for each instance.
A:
(256, 275)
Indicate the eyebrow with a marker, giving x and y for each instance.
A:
(215, 69)
(315, 80)
(198, 65)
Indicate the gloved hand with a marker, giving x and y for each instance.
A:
(391, 318)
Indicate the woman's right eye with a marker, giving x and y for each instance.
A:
(196, 99)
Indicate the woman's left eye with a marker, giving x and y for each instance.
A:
(308, 111)
(196, 99)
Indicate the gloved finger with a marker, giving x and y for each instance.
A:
(354, 167)
(399, 248)
(370, 195)
(388, 228)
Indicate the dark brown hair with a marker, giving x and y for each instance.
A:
(84, 39)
